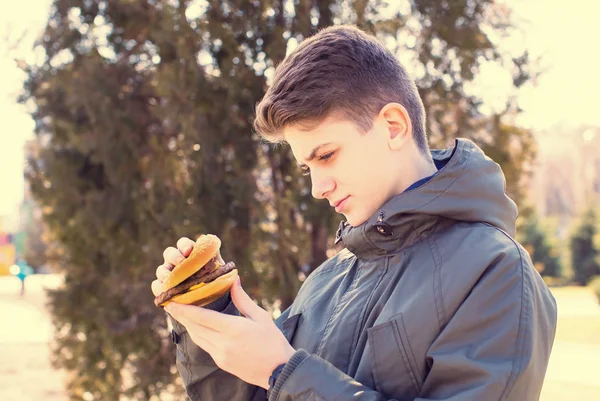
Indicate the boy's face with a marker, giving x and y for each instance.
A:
(355, 172)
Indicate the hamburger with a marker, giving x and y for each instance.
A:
(201, 278)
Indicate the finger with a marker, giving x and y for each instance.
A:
(210, 336)
(245, 304)
(219, 322)
(203, 343)
(185, 246)
(202, 336)
(156, 288)
(173, 256)
(163, 271)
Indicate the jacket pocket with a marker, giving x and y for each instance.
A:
(395, 370)
(290, 325)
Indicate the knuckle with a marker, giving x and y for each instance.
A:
(156, 287)
(227, 357)
(166, 252)
(173, 256)
(183, 243)
(218, 358)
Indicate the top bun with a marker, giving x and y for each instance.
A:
(206, 247)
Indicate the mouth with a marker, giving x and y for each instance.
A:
(339, 205)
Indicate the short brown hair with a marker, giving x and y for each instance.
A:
(341, 69)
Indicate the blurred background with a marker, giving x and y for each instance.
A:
(127, 125)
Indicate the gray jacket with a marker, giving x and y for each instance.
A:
(431, 299)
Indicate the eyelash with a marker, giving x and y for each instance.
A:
(326, 156)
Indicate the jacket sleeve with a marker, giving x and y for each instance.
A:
(495, 346)
(202, 378)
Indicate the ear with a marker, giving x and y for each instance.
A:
(398, 125)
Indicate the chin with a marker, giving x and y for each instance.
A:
(355, 220)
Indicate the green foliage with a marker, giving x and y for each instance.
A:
(143, 117)
(585, 248)
(543, 250)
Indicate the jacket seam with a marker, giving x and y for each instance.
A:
(518, 359)
(360, 328)
(186, 365)
(335, 312)
(317, 273)
(342, 265)
(406, 352)
(437, 283)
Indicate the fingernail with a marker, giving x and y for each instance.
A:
(188, 249)
(239, 281)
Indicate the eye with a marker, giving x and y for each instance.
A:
(326, 156)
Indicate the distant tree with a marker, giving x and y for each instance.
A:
(544, 253)
(585, 248)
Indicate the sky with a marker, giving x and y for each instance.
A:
(566, 94)
(15, 18)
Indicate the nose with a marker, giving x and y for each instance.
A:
(321, 185)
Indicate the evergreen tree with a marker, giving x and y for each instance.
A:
(143, 113)
(544, 253)
(585, 248)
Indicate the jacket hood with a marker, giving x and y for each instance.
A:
(469, 187)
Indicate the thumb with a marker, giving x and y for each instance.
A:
(244, 303)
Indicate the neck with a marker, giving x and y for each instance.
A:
(415, 168)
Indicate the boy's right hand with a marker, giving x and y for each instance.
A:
(172, 256)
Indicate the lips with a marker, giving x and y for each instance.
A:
(339, 205)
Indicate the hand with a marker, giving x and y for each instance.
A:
(249, 347)
(172, 257)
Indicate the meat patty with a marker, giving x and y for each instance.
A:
(204, 275)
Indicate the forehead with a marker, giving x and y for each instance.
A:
(304, 138)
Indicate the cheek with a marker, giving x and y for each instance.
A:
(371, 182)
(362, 171)
(360, 180)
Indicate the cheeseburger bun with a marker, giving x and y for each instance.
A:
(199, 279)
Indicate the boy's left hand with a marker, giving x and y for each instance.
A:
(249, 347)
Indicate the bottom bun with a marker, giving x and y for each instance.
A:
(207, 293)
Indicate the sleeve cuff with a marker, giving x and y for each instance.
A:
(295, 361)
(220, 304)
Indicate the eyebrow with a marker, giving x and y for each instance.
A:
(313, 154)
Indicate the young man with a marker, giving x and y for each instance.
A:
(431, 298)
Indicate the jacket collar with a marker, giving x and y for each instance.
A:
(398, 223)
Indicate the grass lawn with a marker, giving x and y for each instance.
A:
(581, 329)
(572, 372)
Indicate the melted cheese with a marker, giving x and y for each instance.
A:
(194, 287)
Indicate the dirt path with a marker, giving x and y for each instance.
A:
(25, 370)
